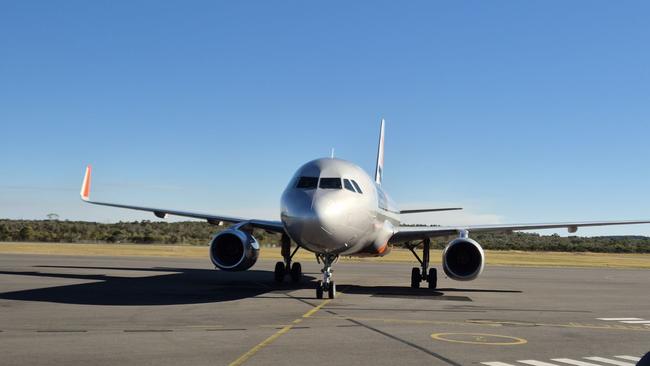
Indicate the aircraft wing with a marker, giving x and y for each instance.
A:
(406, 233)
(275, 226)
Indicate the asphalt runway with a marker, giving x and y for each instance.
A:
(165, 311)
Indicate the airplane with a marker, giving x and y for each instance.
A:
(332, 207)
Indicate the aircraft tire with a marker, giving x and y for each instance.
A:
(296, 272)
(415, 277)
(331, 290)
(279, 272)
(319, 289)
(433, 278)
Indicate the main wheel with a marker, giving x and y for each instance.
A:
(433, 278)
(319, 289)
(296, 272)
(415, 277)
(331, 290)
(279, 272)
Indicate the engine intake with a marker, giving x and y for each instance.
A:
(463, 259)
(234, 250)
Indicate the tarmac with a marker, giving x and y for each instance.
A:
(164, 311)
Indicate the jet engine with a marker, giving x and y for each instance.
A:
(463, 259)
(234, 250)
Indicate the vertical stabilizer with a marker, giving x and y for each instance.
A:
(379, 169)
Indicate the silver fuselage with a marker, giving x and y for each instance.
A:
(338, 220)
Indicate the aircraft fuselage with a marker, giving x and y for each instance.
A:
(331, 206)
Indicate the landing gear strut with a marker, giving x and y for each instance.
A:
(326, 284)
(416, 276)
(283, 268)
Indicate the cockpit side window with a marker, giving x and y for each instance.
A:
(348, 185)
(356, 186)
(307, 182)
(330, 183)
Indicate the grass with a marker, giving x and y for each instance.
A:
(504, 258)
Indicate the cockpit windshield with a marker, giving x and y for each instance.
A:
(330, 183)
(307, 182)
(348, 185)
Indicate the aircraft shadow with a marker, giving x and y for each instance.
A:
(175, 286)
(419, 293)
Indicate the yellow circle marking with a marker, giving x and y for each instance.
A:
(479, 338)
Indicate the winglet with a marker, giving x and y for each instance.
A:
(379, 172)
(85, 186)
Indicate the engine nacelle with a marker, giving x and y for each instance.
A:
(463, 259)
(234, 250)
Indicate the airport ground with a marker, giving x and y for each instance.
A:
(493, 257)
(165, 310)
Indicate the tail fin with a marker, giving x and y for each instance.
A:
(379, 169)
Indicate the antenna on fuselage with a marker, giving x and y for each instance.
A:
(332, 153)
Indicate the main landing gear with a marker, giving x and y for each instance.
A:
(283, 268)
(326, 285)
(418, 276)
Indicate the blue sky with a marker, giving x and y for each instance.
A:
(519, 111)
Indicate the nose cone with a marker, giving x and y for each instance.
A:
(327, 214)
(316, 221)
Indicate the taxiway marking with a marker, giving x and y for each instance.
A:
(479, 338)
(575, 362)
(629, 358)
(495, 323)
(627, 320)
(536, 363)
(611, 362)
(251, 352)
(569, 361)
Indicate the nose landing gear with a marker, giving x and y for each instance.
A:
(416, 276)
(326, 284)
(283, 268)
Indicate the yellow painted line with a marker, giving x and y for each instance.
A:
(314, 310)
(250, 353)
(243, 358)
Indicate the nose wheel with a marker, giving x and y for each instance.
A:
(294, 270)
(425, 274)
(326, 285)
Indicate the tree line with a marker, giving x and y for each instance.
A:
(200, 233)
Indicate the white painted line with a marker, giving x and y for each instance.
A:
(607, 360)
(536, 363)
(496, 364)
(575, 362)
(636, 321)
(618, 319)
(630, 358)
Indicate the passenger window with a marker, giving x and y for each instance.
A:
(357, 187)
(330, 183)
(307, 183)
(348, 185)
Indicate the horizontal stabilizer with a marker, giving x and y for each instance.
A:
(430, 210)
